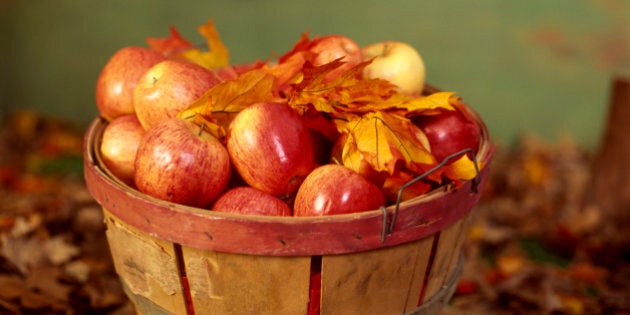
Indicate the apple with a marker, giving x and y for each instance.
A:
(169, 87)
(119, 145)
(396, 62)
(449, 132)
(180, 162)
(115, 83)
(322, 147)
(336, 189)
(270, 147)
(248, 200)
(323, 132)
(331, 47)
(315, 289)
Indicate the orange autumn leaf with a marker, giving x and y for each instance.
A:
(588, 273)
(384, 140)
(394, 183)
(217, 107)
(217, 54)
(289, 71)
(168, 46)
(301, 46)
(317, 122)
(352, 93)
(349, 92)
(311, 89)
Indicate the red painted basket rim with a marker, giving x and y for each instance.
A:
(277, 236)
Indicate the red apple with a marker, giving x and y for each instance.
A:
(398, 63)
(449, 132)
(119, 144)
(322, 147)
(248, 200)
(178, 161)
(336, 189)
(271, 148)
(330, 47)
(115, 83)
(169, 87)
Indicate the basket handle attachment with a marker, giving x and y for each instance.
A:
(474, 188)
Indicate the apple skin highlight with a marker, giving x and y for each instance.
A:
(178, 162)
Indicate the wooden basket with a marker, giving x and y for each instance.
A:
(174, 259)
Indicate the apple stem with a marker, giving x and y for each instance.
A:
(202, 127)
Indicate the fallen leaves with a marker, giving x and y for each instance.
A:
(530, 251)
(532, 248)
(53, 255)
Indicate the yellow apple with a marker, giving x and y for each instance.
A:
(119, 144)
(396, 62)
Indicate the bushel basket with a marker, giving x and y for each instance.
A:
(174, 259)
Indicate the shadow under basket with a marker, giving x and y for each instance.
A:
(173, 259)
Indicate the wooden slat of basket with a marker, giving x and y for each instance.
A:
(226, 283)
(446, 256)
(373, 282)
(418, 278)
(147, 266)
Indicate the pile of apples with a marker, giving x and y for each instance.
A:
(270, 162)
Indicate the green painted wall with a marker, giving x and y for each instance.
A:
(536, 66)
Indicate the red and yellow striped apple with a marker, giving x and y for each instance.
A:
(118, 78)
(270, 147)
(180, 162)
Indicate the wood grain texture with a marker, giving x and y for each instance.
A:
(446, 256)
(226, 283)
(610, 191)
(146, 265)
(381, 281)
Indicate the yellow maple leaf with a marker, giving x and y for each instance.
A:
(217, 107)
(463, 168)
(431, 102)
(383, 140)
(217, 55)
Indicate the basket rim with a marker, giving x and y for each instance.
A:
(282, 236)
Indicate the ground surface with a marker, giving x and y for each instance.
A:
(532, 248)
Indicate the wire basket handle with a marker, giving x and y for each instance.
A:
(389, 228)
